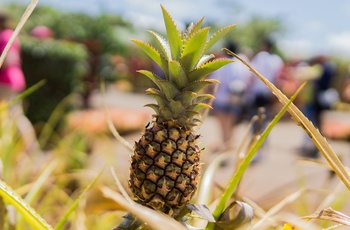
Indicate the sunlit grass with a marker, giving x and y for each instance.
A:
(57, 188)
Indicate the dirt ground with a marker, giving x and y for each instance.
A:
(279, 172)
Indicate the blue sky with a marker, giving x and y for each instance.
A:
(313, 26)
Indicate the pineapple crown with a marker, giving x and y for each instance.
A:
(183, 60)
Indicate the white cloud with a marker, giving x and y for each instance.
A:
(340, 43)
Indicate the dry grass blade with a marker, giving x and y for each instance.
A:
(20, 25)
(275, 209)
(153, 219)
(120, 186)
(309, 128)
(110, 122)
(332, 215)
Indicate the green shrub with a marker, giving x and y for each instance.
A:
(61, 63)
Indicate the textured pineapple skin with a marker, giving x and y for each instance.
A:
(164, 169)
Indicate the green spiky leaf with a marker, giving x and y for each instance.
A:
(163, 44)
(174, 37)
(193, 28)
(168, 88)
(183, 120)
(157, 95)
(204, 59)
(186, 98)
(217, 36)
(152, 76)
(176, 107)
(194, 48)
(165, 113)
(200, 106)
(191, 114)
(155, 107)
(203, 97)
(177, 74)
(207, 69)
(153, 54)
(198, 85)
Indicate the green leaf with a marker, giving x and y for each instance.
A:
(207, 69)
(65, 217)
(191, 113)
(204, 59)
(165, 113)
(153, 54)
(177, 74)
(203, 97)
(152, 76)
(193, 49)
(198, 85)
(186, 98)
(174, 37)
(235, 215)
(193, 28)
(168, 88)
(217, 36)
(176, 107)
(200, 106)
(163, 44)
(33, 219)
(155, 107)
(158, 96)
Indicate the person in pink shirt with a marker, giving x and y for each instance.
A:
(12, 82)
(12, 79)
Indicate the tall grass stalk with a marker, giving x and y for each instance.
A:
(319, 141)
(11, 197)
(65, 217)
(36, 188)
(19, 27)
(246, 161)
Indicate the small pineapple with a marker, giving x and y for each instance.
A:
(164, 170)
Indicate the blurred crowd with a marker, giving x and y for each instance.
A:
(241, 95)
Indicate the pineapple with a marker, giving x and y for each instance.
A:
(164, 170)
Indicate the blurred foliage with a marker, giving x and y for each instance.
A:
(61, 63)
(255, 30)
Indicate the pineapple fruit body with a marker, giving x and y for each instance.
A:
(164, 170)
(165, 167)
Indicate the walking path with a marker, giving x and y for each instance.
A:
(280, 172)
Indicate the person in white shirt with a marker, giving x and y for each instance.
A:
(270, 66)
(230, 95)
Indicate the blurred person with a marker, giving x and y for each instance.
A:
(12, 82)
(321, 98)
(269, 65)
(229, 100)
(287, 81)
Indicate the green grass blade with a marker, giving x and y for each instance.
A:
(24, 94)
(242, 168)
(36, 221)
(39, 182)
(37, 187)
(64, 219)
(56, 116)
